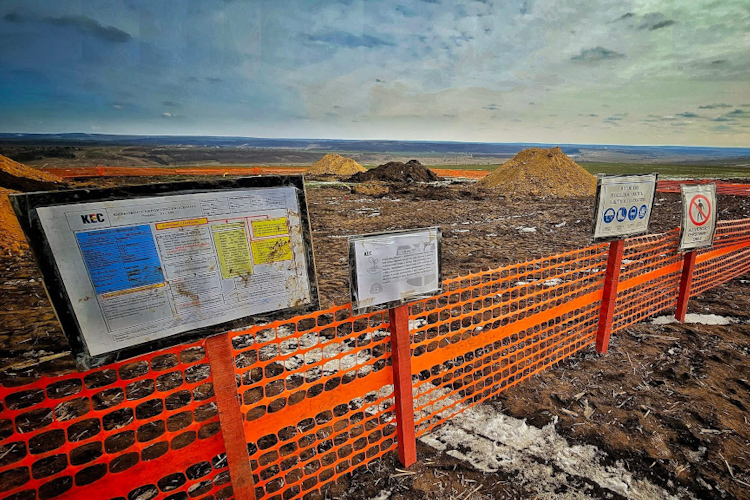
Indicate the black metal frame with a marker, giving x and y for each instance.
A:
(25, 206)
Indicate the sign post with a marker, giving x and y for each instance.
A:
(623, 208)
(388, 270)
(697, 230)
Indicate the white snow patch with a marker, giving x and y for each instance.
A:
(384, 495)
(526, 229)
(700, 319)
(553, 282)
(541, 459)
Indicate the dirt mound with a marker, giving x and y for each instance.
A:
(396, 171)
(541, 172)
(375, 189)
(14, 175)
(333, 164)
(12, 240)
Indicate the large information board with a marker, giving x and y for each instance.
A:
(623, 205)
(133, 269)
(698, 216)
(389, 269)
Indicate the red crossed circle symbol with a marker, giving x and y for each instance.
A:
(702, 211)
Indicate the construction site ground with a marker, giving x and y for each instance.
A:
(665, 412)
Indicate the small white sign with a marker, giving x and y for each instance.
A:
(393, 268)
(623, 205)
(698, 216)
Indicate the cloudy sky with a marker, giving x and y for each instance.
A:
(586, 71)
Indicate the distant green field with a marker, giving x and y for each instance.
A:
(665, 171)
(675, 171)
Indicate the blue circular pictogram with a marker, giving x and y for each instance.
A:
(642, 212)
(609, 215)
(622, 212)
(633, 213)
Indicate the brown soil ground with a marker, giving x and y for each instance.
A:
(671, 401)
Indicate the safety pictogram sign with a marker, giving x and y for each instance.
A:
(699, 210)
(698, 216)
(623, 205)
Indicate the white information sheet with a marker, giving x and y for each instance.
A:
(698, 216)
(624, 205)
(143, 269)
(394, 268)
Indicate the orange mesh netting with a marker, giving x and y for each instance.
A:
(317, 396)
(140, 429)
(495, 328)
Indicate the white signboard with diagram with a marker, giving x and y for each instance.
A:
(389, 269)
(623, 205)
(147, 268)
(698, 216)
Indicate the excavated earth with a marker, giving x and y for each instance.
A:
(668, 404)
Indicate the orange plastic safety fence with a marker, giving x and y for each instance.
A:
(146, 428)
(649, 278)
(721, 187)
(492, 329)
(317, 394)
(317, 390)
(729, 258)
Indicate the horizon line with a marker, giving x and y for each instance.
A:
(368, 140)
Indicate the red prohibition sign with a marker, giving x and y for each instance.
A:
(703, 210)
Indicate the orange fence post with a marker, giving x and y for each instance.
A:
(219, 350)
(609, 296)
(686, 281)
(402, 387)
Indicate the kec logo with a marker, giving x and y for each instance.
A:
(92, 218)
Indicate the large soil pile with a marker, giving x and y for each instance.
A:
(14, 175)
(541, 172)
(333, 164)
(17, 177)
(396, 171)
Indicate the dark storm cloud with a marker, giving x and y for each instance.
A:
(597, 54)
(627, 15)
(345, 39)
(614, 119)
(715, 106)
(660, 24)
(737, 112)
(688, 114)
(491, 107)
(722, 119)
(83, 24)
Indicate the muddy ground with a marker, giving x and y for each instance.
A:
(669, 402)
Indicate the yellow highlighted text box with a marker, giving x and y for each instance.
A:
(181, 223)
(273, 250)
(270, 227)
